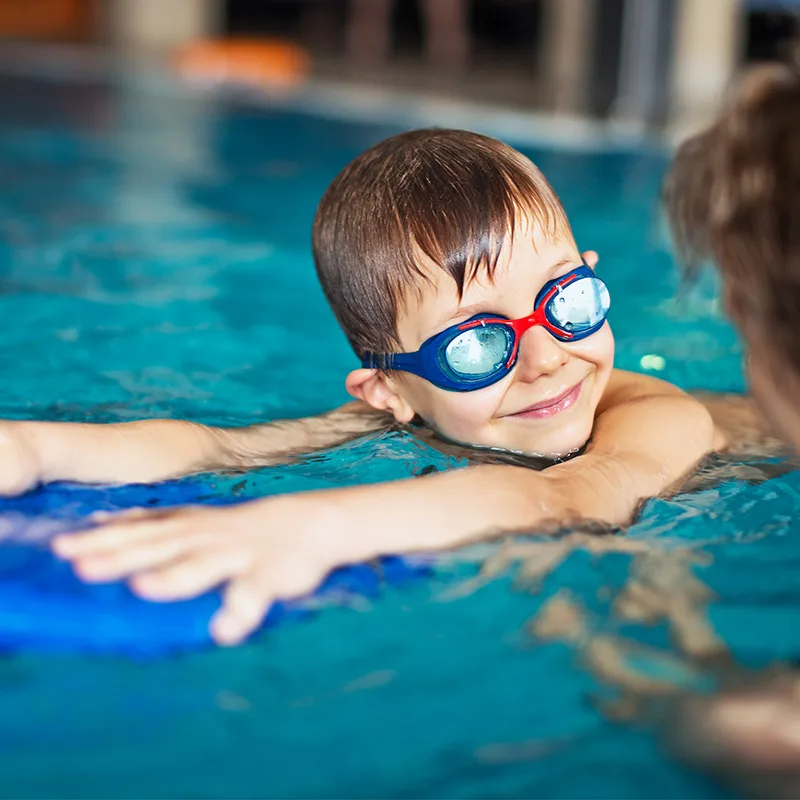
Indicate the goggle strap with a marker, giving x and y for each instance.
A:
(376, 361)
(391, 361)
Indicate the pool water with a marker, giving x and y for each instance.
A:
(155, 261)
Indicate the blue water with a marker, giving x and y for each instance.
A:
(154, 261)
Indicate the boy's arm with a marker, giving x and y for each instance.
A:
(158, 449)
(647, 438)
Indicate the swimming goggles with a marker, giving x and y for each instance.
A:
(483, 350)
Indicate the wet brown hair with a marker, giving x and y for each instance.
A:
(733, 195)
(453, 196)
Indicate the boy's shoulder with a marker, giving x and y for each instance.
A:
(624, 386)
(626, 392)
(739, 426)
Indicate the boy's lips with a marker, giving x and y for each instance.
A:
(551, 407)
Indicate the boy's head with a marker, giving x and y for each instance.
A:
(427, 230)
(733, 195)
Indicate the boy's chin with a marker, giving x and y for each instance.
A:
(560, 452)
(552, 451)
(558, 446)
(563, 445)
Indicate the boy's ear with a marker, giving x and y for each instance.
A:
(374, 388)
(590, 257)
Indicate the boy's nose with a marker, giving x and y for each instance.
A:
(539, 354)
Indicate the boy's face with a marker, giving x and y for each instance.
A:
(546, 405)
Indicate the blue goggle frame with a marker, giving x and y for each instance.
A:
(431, 361)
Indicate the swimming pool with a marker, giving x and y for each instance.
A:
(155, 261)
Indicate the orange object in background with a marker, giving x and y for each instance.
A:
(266, 63)
(47, 19)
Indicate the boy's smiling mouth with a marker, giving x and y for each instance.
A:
(551, 406)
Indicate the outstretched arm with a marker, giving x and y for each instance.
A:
(158, 449)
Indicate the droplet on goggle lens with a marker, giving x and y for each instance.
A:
(581, 305)
(478, 352)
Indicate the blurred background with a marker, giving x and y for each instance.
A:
(155, 262)
(649, 62)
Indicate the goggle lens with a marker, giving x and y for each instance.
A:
(580, 306)
(480, 351)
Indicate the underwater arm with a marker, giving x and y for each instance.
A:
(159, 449)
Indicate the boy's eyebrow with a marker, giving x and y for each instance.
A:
(564, 262)
(463, 311)
(476, 308)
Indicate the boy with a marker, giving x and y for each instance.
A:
(450, 265)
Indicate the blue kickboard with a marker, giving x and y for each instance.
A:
(45, 607)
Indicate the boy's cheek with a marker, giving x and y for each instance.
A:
(598, 348)
(597, 351)
(465, 410)
(439, 405)
(464, 416)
